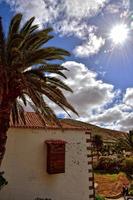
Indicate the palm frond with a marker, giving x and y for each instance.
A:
(23, 98)
(57, 82)
(17, 112)
(41, 55)
(37, 39)
(33, 28)
(27, 27)
(51, 69)
(52, 92)
(45, 115)
(25, 48)
(49, 80)
(14, 26)
(13, 44)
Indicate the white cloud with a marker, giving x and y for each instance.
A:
(126, 4)
(127, 122)
(89, 94)
(108, 116)
(49, 10)
(73, 27)
(94, 99)
(79, 9)
(119, 117)
(128, 97)
(69, 17)
(118, 6)
(44, 12)
(90, 47)
(66, 16)
(113, 8)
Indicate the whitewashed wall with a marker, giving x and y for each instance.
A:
(25, 166)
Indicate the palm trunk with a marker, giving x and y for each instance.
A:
(4, 126)
(5, 109)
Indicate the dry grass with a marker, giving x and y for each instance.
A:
(107, 134)
(110, 185)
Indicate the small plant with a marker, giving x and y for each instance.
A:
(98, 197)
(127, 165)
(107, 164)
(131, 190)
(3, 181)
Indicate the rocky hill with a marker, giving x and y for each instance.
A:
(107, 134)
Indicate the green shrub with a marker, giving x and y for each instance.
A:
(95, 164)
(3, 181)
(107, 164)
(131, 192)
(98, 197)
(131, 189)
(127, 165)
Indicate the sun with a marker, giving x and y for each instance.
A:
(119, 34)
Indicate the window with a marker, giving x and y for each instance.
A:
(55, 156)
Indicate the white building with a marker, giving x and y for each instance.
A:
(47, 163)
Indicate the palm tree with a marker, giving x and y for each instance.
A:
(25, 75)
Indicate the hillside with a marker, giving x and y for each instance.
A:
(107, 134)
(33, 120)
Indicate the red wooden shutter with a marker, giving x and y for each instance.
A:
(55, 156)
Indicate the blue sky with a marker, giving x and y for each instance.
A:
(100, 71)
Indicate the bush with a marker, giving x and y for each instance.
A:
(3, 181)
(127, 165)
(131, 190)
(98, 197)
(107, 164)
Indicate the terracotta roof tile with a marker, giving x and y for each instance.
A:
(34, 121)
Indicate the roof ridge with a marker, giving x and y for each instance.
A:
(34, 121)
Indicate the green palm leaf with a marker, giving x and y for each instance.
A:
(27, 75)
(27, 27)
(14, 27)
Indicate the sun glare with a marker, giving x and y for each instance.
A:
(119, 34)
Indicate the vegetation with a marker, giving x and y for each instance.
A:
(114, 170)
(98, 197)
(110, 185)
(26, 75)
(107, 165)
(3, 181)
(124, 143)
(131, 190)
(127, 166)
(106, 149)
(119, 146)
(97, 143)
